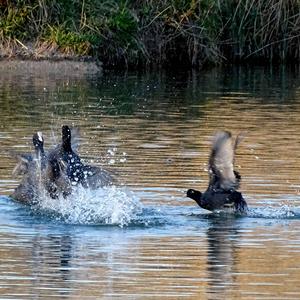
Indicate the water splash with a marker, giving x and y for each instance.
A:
(109, 205)
(271, 212)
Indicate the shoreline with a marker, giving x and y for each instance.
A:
(161, 34)
(68, 66)
(37, 58)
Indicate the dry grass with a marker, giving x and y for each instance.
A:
(161, 33)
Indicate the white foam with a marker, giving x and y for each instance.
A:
(281, 212)
(108, 205)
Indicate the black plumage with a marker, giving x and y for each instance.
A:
(224, 181)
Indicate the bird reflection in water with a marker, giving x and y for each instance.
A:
(52, 256)
(222, 236)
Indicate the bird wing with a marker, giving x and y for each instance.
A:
(22, 165)
(221, 168)
(96, 177)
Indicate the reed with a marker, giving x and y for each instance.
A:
(161, 33)
(261, 29)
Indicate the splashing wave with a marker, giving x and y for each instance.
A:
(109, 205)
(281, 212)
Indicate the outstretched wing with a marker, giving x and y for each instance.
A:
(95, 177)
(22, 165)
(221, 168)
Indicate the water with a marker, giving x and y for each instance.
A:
(143, 238)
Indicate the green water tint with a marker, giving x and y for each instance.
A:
(154, 132)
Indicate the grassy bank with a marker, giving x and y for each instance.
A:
(163, 33)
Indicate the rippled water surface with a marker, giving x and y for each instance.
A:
(143, 239)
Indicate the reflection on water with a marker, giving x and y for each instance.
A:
(221, 256)
(54, 254)
(154, 131)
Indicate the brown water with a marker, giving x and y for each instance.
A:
(153, 131)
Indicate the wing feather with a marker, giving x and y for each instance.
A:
(221, 162)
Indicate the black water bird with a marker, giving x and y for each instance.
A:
(55, 172)
(24, 160)
(31, 166)
(53, 176)
(40, 175)
(224, 181)
(78, 172)
(64, 153)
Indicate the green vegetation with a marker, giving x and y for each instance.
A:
(142, 33)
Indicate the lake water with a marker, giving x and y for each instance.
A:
(143, 239)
